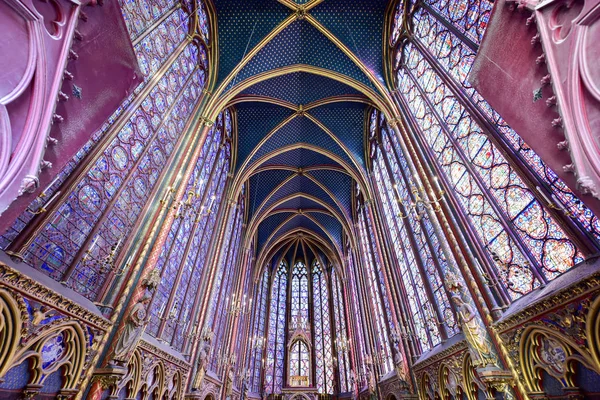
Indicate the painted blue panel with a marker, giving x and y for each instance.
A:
(300, 88)
(271, 223)
(346, 121)
(301, 43)
(262, 184)
(300, 158)
(241, 25)
(301, 130)
(331, 225)
(302, 184)
(338, 183)
(359, 25)
(255, 121)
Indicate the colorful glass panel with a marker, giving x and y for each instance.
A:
(258, 332)
(299, 360)
(456, 60)
(118, 195)
(184, 254)
(480, 173)
(274, 363)
(299, 293)
(322, 329)
(527, 244)
(376, 293)
(342, 341)
(416, 245)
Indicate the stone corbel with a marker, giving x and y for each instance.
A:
(66, 394)
(31, 391)
(497, 380)
(109, 378)
(393, 122)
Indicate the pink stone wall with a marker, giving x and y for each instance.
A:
(537, 69)
(64, 69)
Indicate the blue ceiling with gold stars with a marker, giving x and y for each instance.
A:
(301, 75)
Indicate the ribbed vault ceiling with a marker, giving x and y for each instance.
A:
(301, 76)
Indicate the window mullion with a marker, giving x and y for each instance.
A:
(507, 225)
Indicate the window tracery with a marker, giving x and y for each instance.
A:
(276, 336)
(377, 293)
(531, 225)
(357, 319)
(86, 231)
(299, 293)
(322, 328)
(299, 363)
(222, 292)
(302, 338)
(416, 245)
(258, 331)
(185, 252)
(342, 337)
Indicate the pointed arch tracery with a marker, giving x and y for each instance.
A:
(526, 224)
(302, 315)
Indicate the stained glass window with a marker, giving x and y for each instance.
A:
(455, 58)
(184, 253)
(480, 157)
(299, 293)
(299, 360)
(377, 293)
(304, 344)
(203, 20)
(274, 363)
(242, 340)
(83, 237)
(322, 328)
(222, 292)
(397, 22)
(416, 245)
(357, 321)
(258, 338)
(341, 332)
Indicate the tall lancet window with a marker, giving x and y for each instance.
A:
(357, 320)
(222, 291)
(342, 338)
(92, 217)
(258, 332)
(299, 300)
(184, 254)
(322, 329)
(500, 185)
(415, 243)
(379, 303)
(299, 363)
(274, 368)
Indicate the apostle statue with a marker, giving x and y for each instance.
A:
(354, 384)
(245, 384)
(203, 358)
(229, 383)
(476, 336)
(132, 332)
(397, 356)
(372, 382)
